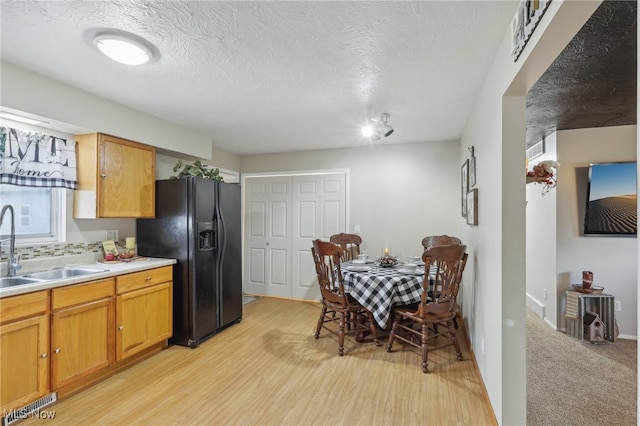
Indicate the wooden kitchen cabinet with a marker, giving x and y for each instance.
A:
(82, 331)
(143, 310)
(24, 349)
(66, 338)
(116, 177)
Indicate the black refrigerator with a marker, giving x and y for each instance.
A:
(198, 223)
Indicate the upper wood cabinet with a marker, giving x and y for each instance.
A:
(116, 177)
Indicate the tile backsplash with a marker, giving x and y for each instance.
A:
(37, 251)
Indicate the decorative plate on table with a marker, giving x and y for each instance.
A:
(414, 272)
(358, 268)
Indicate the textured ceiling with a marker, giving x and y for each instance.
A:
(274, 76)
(592, 83)
(285, 76)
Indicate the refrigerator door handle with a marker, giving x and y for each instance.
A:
(221, 235)
(220, 240)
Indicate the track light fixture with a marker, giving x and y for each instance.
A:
(377, 127)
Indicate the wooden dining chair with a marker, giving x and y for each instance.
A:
(349, 243)
(337, 306)
(439, 240)
(417, 324)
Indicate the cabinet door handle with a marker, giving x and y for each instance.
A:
(56, 350)
(44, 355)
(148, 279)
(103, 175)
(121, 328)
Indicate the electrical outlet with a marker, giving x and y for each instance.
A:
(111, 235)
(544, 293)
(481, 344)
(617, 306)
(356, 229)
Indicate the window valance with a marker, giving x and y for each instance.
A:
(36, 159)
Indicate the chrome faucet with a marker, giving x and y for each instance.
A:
(13, 264)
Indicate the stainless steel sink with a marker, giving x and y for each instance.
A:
(62, 273)
(51, 275)
(12, 281)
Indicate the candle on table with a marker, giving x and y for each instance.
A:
(386, 252)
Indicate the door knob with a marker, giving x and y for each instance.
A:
(44, 355)
(56, 350)
(121, 328)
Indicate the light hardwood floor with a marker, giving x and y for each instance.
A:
(269, 370)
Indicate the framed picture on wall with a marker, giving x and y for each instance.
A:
(464, 186)
(472, 172)
(472, 207)
(611, 199)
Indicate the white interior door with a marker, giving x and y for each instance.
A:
(268, 236)
(283, 214)
(318, 212)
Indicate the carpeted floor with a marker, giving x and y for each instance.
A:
(573, 382)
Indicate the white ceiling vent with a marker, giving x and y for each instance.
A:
(536, 150)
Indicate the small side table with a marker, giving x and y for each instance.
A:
(585, 306)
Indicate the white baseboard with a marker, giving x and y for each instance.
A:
(535, 306)
(546, 320)
(626, 336)
(619, 336)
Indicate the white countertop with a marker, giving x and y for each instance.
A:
(111, 270)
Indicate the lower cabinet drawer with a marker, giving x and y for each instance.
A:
(23, 305)
(137, 280)
(77, 294)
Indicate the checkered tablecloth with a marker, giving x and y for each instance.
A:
(380, 288)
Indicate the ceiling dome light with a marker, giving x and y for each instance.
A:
(122, 49)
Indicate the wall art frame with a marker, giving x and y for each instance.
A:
(464, 186)
(611, 200)
(472, 172)
(472, 207)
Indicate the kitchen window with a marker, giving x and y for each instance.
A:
(40, 210)
(39, 214)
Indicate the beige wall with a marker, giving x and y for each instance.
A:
(558, 217)
(166, 163)
(494, 282)
(26, 91)
(541, 234)
(613, 260)
(396, 193)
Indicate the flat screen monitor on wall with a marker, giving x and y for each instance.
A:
(611, 199)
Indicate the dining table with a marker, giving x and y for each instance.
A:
(378, 288)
